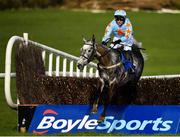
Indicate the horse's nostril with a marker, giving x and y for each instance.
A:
(80, 66)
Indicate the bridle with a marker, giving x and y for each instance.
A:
(92, 54)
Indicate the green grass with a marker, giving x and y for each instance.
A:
(63, 30)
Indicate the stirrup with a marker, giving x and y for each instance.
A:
(131, 71)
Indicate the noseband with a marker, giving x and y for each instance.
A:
(93, 52)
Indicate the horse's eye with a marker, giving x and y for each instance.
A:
(89, 50)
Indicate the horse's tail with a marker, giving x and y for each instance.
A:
(145, 55)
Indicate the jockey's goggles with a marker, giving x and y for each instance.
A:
(121, 18)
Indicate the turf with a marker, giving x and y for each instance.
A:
(63, 30)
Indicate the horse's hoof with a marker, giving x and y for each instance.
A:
(94, 111)
(101, 119)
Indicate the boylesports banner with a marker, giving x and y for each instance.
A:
(129, 119)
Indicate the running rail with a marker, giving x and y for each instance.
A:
(50, 72)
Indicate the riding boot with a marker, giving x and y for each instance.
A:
(126, 57)
(130, 58)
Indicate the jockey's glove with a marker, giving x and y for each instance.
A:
(117, 42)
(104, 43)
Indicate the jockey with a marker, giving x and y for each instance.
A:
(121, 28)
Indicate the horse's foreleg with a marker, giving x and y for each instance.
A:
(107, 99)
(95, 104)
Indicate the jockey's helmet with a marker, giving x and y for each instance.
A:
(120, 15)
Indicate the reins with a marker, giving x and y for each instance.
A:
(112, 66)
(111, 48)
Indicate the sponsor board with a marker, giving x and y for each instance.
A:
(131, 119)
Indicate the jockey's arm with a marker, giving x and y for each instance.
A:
(107, 34)
(128, 31)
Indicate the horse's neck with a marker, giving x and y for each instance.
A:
(105, 56)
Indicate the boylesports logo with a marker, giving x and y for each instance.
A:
(51, 120)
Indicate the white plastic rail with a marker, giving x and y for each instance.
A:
(51, 52)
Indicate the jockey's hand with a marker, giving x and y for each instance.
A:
(117, 42)
(104, 43)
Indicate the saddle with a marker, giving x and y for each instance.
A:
(127, 60)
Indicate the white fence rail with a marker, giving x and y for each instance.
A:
(68, 60)
(61, 69)
(161, 77)
(2, 75)
(13, 75)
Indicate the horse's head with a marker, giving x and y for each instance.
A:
(88, 51)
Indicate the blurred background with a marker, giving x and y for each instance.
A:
(62, 23)
(91, 4)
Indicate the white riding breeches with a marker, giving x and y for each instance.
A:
(126, 47)
(127, 44)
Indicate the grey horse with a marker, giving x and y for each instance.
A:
(111, 69)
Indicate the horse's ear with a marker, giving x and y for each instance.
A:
(93, 39)
(84, 40)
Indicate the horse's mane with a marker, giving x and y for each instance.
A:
(108, 49)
